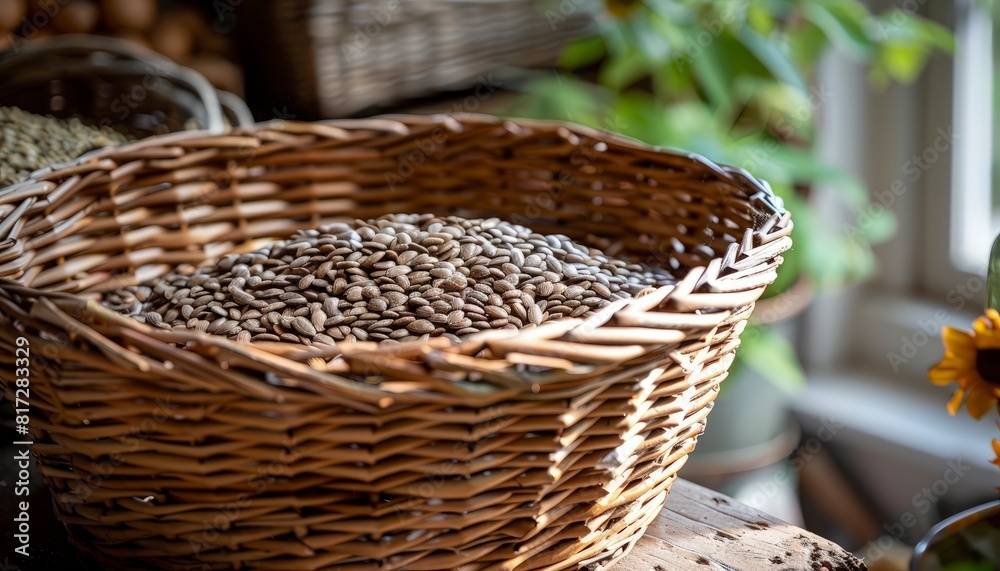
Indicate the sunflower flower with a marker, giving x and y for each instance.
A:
(973, 361)
(996, 450)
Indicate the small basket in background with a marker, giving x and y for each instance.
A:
(114, 83)
(343, 56)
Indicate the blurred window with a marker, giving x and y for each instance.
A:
(975, 213)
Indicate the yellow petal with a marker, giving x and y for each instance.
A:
(955, 401)
(980, 400)
(959, 343)
(970, 378)
(987, 334)
(994, 316)
(948, 370)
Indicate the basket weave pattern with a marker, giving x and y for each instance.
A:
(545, 448)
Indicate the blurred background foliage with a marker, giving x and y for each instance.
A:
(735, 80)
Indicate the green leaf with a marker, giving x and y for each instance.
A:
(806, 43)
(772, 159)
(711, 69)
(779, 110)
(776, 61)
(582, 53)
(638, 114)
(760, 18)
(712, 79)
(903, 62)
(898, 26)
(653, 37)
(937, 35)
(772, 357)
(564, 98)
(803, 166)
(621, 71)
(843, 22)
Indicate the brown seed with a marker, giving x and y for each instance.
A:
(395, 298)
(318, 318)
(216, 327)
(421, 326)
(303, 326)
(496, 312)
(403, 321)
(330, 306)
(534, 314)
(324, 339)
(241, 297)
(600, 290)
(354, 293)
(456, 282)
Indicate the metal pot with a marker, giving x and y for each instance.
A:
(974, 532)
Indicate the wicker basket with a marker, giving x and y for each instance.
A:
(343, 56)
(114, 83)
(545, 448)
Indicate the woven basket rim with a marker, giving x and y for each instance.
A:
(757, 255)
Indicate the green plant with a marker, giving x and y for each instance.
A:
(735, 81)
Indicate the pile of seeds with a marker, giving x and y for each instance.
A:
(30, 142)
(394, 278)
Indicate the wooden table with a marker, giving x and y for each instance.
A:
(702, 530)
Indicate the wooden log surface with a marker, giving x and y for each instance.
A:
(702, 530)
